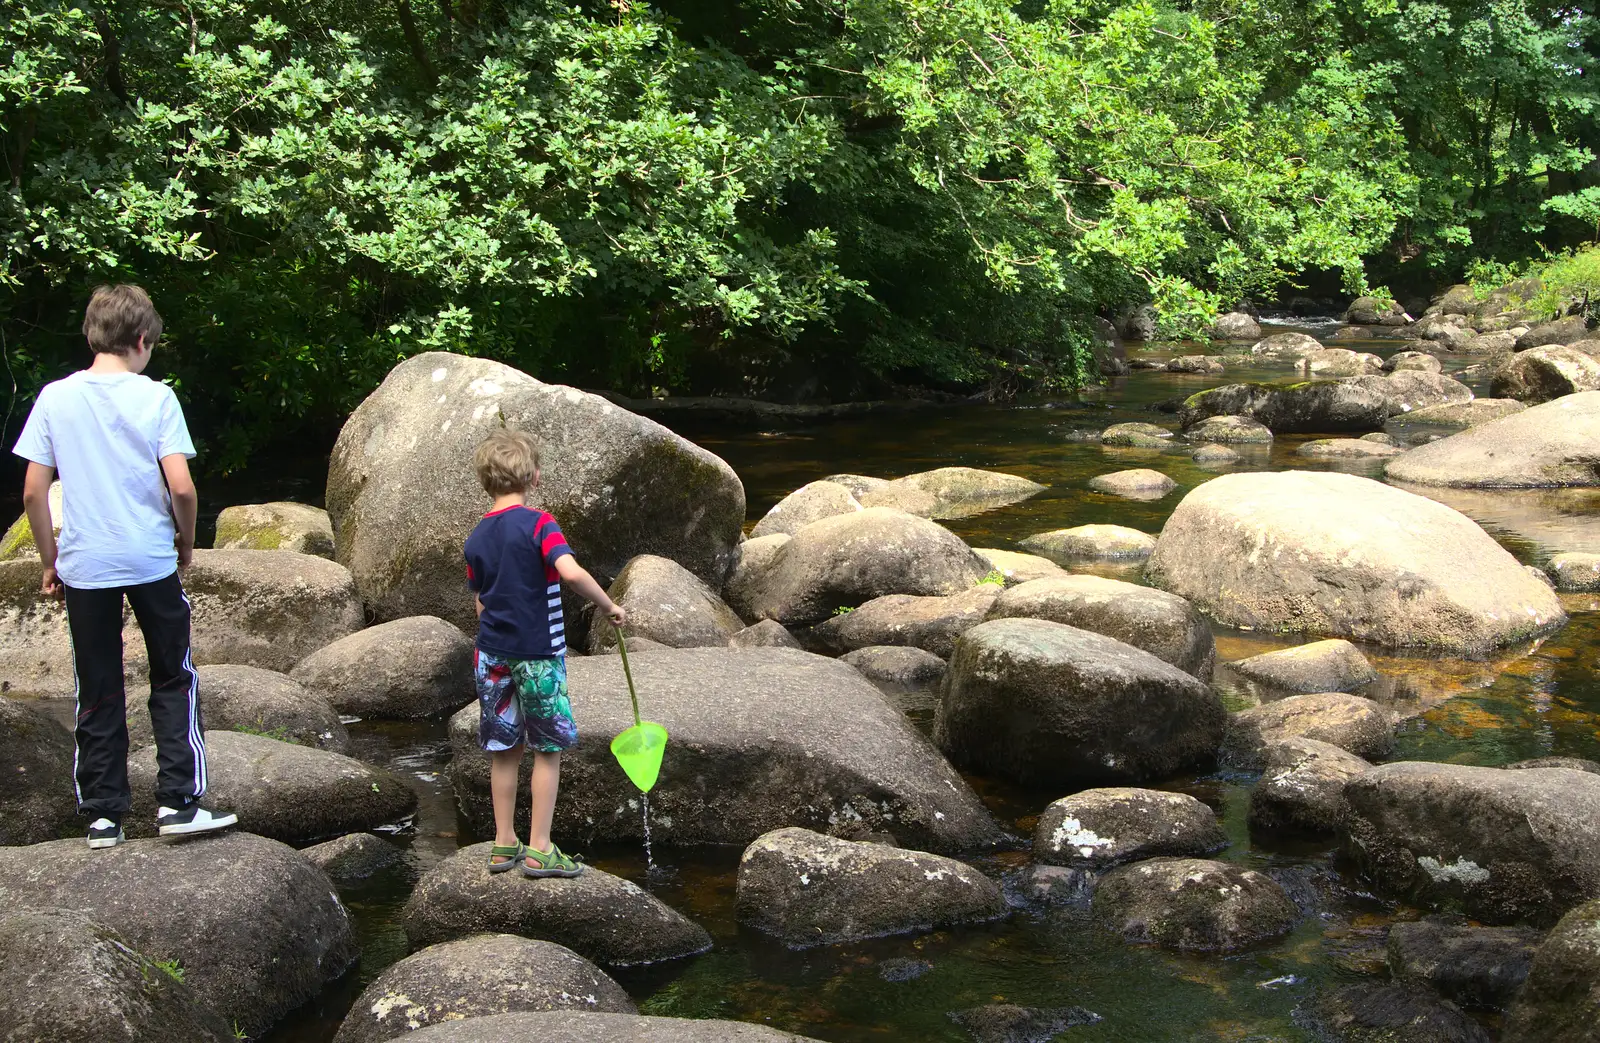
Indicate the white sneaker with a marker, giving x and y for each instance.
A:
(191, 818)
(105, 833)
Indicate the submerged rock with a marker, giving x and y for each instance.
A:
(1228, 430)
(1196, 364)
(1542, 374)
(1019, 568)
(601, 917)
(1193, 904)
(1349, 722)
(572, 1026)
(1313, 406)
(264, 702)
(1456, 416)
(257, 929)
(1374, 1013)
(477, 976)
(668, 604)
(1302, 785)
(1088, 542)
(756, 745)
(1141, 483)
(1560, 1002)
(812, 502)
(1348, 448)
(1333, 665)
(1100, 828)
(1575, 571)
(1500, 846)
(1474, 966)
(405, 669)
(1162, 624)
(1009, 1023)
(896, 664)
(1136, 434)
(281, 790)
(850, 559)
(36, 760)
(809, 889)
(928, 623)
(403, 496)
(768, 633)
(1340, 555)
(353, 857)
(955, 492)
(1211, 453)
(1047, 704)
(275, 526)
(72, 980)
(1548, 445)
(1572, 763)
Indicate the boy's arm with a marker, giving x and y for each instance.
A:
(577, 577)
(36, 502)
(185, 504)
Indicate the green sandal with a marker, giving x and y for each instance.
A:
(511, 853)
(550, 863)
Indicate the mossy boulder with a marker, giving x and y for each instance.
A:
(275, 526)
(1349, 722)
(1313, 407)
(17, 543)
(1542, 374)
(1301, 789)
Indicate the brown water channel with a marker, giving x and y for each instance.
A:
(1529, 702)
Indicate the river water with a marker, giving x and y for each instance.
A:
(1527, 702)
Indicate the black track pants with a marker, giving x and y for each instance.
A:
(101, 769)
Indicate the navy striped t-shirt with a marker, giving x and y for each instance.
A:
(511, 564)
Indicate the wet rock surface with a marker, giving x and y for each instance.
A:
(1560, 1001)
(1047, 704)
(810, 889)
(1101, 828)
(1374, 1013)
(1010, 1023)
(475, 977)
(1193, 904)
(1476, 967)
(353, 857)
(581, 1027)
(601, 917)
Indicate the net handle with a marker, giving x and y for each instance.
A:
(622, 647)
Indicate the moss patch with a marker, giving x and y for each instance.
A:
(17, 541)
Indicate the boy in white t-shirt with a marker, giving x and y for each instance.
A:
(120, 443)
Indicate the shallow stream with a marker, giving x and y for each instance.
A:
(1528, 702)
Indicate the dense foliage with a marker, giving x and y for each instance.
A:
(760, 195)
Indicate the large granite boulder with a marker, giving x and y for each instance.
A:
(1363, 727)
(409, 668)
(257, 929)
(71, 980)
(1333, 665)
(1408, 389)
(1286, 346)
(1348, 449)
(668, 604)
(751, 573)
(1541, 374)
(1372, 311)
(249, 699)
(1140, 483)
(1313, 406)
(769, 633)
(1475, 966)
(36, 760)
(1339, 362)
(928, 623)
(810, 889)
(850, 559)
(474, 977)
(1341, 555)
(1374, 1012)
(1560, 1002)
(1457, 416)
(1421, 361)
(811, 502)
(256, 608)
(1235, 325)
(756, 744)
(403, 496)
(1047, 704)
(1558, 331)
(1101, 828)
(1500, 846)
(281, 790)
(281, 525)
(601, 917)
(897, 665)
(1301, 788)
(1193, 904)
(572, 1026)
(1091, 542)
(1548, 445)
(1160, 623)
(17, 542)
(1136, 435)
(954, 492)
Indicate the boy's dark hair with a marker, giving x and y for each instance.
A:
(116, 317)
(506, 462)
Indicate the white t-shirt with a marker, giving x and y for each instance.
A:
(105, 434)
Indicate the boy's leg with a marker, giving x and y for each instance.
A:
(544, 782)
(163, 615)
(503, 768)
(100, 765)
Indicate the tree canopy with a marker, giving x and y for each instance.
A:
(747, 195)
